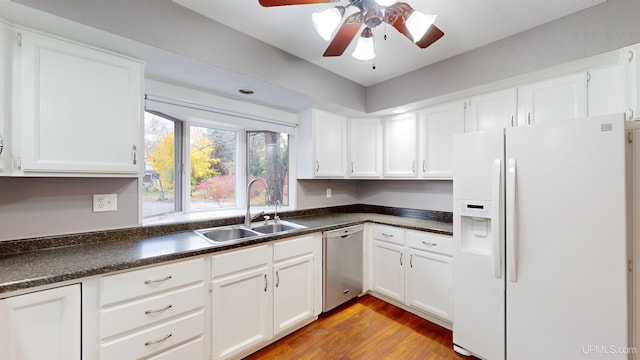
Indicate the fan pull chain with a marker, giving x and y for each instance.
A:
(385, 35)
(374, 65)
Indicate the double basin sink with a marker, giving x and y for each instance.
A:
(236, 232)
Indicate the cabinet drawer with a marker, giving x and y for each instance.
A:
(191, 350)
(138, 283)
(155, 339)
(441, 244)
(150, 310)
(291, 248)
(240, 260)
(389, 234)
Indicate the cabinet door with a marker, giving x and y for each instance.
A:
(79, 109)
(400, 145)
(330, 144)
(491, 111)
(41, 325)
(5, 90)
(293, 294)
(606, 90)
(556, 99)
(241, 301)
(388, 270)
(438, 125)
(365, 147)
(429, 283)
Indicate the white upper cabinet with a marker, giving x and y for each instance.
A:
(78, 109)
(606, 90)
(561, 98)
(365, 148)
(322, 145)
(491, 111)
(400, 145)
(438, 124)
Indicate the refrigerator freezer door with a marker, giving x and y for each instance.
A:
(478, 292)
(569, 299)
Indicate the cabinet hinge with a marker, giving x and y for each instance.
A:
(630, 137)
(630, 265)
(19, 39)
(630, 56)
(588, 76)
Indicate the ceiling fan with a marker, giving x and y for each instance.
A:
(415, 25)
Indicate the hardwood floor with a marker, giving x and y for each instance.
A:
(366, 328)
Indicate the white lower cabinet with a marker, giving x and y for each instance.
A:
(413, 268)
(262, 293)
(429, 276)
(42, 325)
(241, 301)
(157, 312)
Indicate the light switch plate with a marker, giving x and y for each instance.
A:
(105, 202)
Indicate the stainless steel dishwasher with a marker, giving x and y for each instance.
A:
(342, 265)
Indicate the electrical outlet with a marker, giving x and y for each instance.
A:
(105, 202)
(328, 193)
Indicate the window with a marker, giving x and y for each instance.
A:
(195, 166)
(212, 159)
(268, 159)
(159, 181)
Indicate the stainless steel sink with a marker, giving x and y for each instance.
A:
(237, 232)
(227, 233)
(272, 227)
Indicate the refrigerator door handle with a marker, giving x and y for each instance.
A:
(495, 219)
(511, 221)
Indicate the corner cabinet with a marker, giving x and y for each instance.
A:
(415, 269)
(322, 145)
(42, 325)
(77, 109)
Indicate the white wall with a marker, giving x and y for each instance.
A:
(313, 193)
(34, 207)
(411, 194)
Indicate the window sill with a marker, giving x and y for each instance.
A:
(174, 218)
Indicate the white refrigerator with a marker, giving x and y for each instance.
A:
(540, 255)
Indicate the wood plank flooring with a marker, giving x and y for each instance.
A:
(366, 328)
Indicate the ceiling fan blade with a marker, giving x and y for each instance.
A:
(432, 35)
(349, 29)
(269, 3)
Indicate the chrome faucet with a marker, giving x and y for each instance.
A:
(276, 218)
(248, 218)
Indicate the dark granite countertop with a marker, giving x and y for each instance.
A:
(36, 262)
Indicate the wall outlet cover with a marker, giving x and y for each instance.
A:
(105, 202)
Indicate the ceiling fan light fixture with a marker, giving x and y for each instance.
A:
(364, 47)
(327, 21)
(418, 23)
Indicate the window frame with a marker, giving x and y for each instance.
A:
(183, 171)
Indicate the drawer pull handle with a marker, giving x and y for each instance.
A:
(158, 340)
(266, 283)
(387, 235)
(430, 244)
(277, 279)
(401, 258)
(158, 310)
(168, 277)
